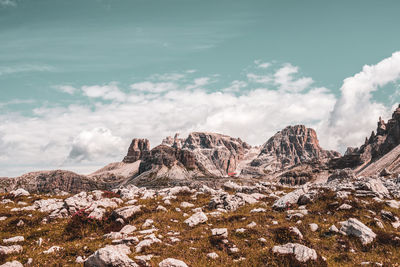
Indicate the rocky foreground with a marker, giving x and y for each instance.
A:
(347, 221)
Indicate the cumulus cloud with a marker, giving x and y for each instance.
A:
(355, 113)
(153, 87)
(95, 143)
(284, 78)
(99, 132)
(265, 79)
(106, 92)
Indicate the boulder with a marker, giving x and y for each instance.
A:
(356, 228)
(12, 264)
(14, 239)
(19, 192)
(300, 252)
(220, 232)
(127, 212)
(195, 219)
(290, 198)
(6, 250)
(170, 262)
(111, 256)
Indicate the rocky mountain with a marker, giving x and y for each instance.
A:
(138, 149)
(377, 152)
(292, 146)
(201, 155)
(54, 181)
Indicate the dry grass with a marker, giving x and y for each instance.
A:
(80, 236)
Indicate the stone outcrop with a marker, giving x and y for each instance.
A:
(111, 256)
(380, 143)
(356, 228)
(300, 252)
(292, 146)
(219, 154)
(54, 181)
(137, 149)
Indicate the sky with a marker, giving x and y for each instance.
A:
(80, 79)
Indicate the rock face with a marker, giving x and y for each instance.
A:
(53, 181)
(386, 138)
(138, 149)
(219, 154)
(293, 145)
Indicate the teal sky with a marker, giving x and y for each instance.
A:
(93, 42)
(45, 44)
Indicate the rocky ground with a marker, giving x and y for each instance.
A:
(345, 222)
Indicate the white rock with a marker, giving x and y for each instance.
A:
(48, 205)
(97, 213)
(296, 231)
(127, 212)
(52, 250)
(251, 225)
(212, 255)
(313, 227)
(14, 239)
(290, 198)
(301, 253)
(258, 210)
(345, 207)
(3, 218)
(240, 230)
(223, 232)
(161, 208)
(6, 250)
(186, 205)
(195, 219)
(356, 228)
(127, 229)
(111, 256)
(333, 229)
(148, 223)
(150, 240)
(170, 262)
(12, 264)
(79, 259)
(393, 203)
(19, 192)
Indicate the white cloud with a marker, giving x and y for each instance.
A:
(66, 89)
(24, 68)
(284, 78)
(95, 143)
(355, 113)
(100, 132)
(235, 86)
(264, 79)
(198, 82)
(106, 92)
(262, 65)
(153, 87)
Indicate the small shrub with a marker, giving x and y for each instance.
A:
(283, 235)
(110, 194)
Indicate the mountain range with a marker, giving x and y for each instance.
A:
(292, 156)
